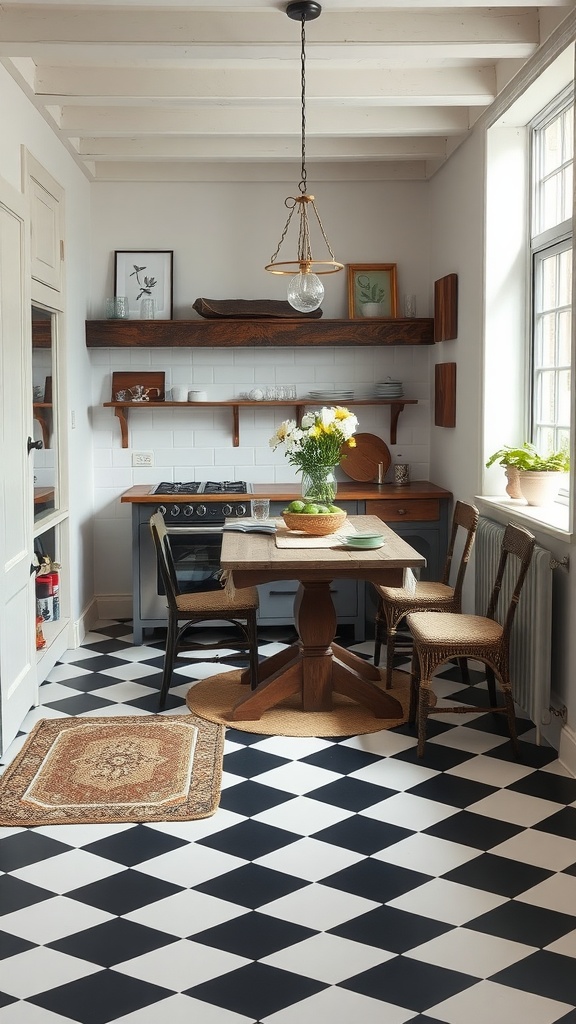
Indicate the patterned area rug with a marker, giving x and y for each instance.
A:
(213, 699)
(76, 771)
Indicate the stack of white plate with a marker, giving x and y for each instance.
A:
(332, 395)
(389, 389)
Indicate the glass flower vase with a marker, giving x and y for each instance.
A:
(319, 485)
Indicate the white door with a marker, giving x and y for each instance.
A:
(18, 689)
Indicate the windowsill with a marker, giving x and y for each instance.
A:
(553, 520)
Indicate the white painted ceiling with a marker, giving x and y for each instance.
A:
(183, 91)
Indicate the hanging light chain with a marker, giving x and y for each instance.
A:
(302, 184)
(304, 263)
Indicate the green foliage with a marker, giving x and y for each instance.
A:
(528, 458)
(369, 291)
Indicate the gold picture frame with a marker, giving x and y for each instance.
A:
(372, 290)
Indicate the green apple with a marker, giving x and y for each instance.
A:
(310, 510)
(295, 506)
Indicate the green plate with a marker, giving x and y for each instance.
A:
(364, 540)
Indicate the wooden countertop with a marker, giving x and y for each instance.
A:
(348, 490)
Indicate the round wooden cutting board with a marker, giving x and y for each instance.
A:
(361, 463)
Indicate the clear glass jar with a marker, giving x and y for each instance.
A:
(319, 485)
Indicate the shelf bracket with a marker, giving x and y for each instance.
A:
(121, 413)
(395, 409)
(235, 427)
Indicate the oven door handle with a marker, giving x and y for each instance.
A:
(191, 529)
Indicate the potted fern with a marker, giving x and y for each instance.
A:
(532, 476)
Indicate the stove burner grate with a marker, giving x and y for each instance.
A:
(190, 487)
(203, 487)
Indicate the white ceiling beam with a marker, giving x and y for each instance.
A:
(348, 6)
(249, 148)
(52, 23)
(416, 170)
(459, 86)
(262, 121)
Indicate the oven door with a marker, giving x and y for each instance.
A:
(196, 553)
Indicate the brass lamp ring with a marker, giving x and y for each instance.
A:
(296, 267)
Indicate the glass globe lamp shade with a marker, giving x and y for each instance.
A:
(305, 292)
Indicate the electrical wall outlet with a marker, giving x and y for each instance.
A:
(142, 458)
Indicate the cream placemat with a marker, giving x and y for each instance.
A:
(286, 538)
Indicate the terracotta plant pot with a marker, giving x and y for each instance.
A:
(513, 488)
(540, 488)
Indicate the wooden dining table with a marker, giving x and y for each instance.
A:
(315, 667)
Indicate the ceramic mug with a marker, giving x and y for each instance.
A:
(179, 393)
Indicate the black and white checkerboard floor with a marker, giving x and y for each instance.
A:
(339, 880)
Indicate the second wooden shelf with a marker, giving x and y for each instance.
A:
(121, 410)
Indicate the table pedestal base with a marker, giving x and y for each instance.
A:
(315, 667)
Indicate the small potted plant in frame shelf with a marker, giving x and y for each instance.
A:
(534, 477)
(371, 297)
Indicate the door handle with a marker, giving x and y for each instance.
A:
(34, 444)
(34, 569)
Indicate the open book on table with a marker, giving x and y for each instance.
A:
(250, 525)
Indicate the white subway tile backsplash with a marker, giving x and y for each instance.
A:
(196, 443)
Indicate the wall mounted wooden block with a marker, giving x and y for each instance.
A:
(445, 395)
(446, 308)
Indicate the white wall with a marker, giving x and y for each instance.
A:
(458, 456)
(20, 124)
(222, 235)
(458, 247)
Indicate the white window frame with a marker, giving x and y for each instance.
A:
(544, 244)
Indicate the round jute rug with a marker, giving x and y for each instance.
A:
(214, 698)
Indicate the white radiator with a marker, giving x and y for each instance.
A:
(531, 640)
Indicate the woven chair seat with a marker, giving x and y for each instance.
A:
(209, 603)
(426, 592)
(451, 628)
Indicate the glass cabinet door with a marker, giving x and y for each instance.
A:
(44, 399)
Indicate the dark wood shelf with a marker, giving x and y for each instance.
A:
(258, 333)
(121, 410)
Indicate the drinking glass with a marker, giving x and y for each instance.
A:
(260, 508)
(117, 308)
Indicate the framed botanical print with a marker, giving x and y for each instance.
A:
(145, 274)
(372, 290)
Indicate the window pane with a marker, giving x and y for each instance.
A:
(565, 278)
(545, 348)
(552, 146)
(564, 397)
(564, 337)
(549, 281)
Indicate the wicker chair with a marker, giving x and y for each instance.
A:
(216, 605)
(395, 603)
(442, 636)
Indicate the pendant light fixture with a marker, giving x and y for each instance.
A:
(305, 289)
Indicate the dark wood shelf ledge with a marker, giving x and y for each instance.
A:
(258, 333)
(121, 410)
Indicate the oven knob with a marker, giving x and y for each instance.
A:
(227, 510)
(175, 510)
(240, 510)
(161, 509)
(188, 510)
(201, 510)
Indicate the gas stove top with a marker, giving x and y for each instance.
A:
(204, 487)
